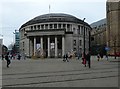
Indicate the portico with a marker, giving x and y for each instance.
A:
(47, 45)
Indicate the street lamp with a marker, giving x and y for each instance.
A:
(84, 36)
(90, 39)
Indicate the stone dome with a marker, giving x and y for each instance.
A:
(54, 17)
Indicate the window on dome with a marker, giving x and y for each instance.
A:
(55, 26)
(64, 25)
(51, 26)
(42, 26)
(46, 26)
(59, 26)
(38, 27)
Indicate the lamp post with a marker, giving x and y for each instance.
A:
(89, 40)
(84, 37)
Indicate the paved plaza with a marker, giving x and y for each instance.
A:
(56, 73)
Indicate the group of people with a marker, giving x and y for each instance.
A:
(9, 56)
(65, 58)
(85, 59)
(100, 56)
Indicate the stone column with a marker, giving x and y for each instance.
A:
(63, 45)
(66, 28)
(40, 26)
(56, 48)
(57, 25)
(48, 46)
(62, 26)
(30, 43)
(34, 46)
(48, 26)
(41, 42)
(44, 26)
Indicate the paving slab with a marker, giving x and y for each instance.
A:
(56, 73)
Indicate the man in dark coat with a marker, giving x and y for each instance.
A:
(7, 59)
(88, 59)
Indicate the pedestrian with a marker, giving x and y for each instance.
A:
(101, 55)
(64, 57)
(84, 59)
(19, 57)
(2, 57)
(24, 56)
(98, 57)
(88, 59)
(7, 59)
(78, 56)
(106, 56)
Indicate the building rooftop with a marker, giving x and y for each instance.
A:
(99, 23)
(54, 17)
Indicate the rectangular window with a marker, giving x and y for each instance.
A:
(80, 42)
(55, 26)
(38, 27)
(74, 42)
(23, 44)
(46, 26)
(64, 25)
(78, 31)
(59, 26)
(42, 26)
(68, 27)
(34, 27)
(74, 49)
(50, 26)
(31, 27)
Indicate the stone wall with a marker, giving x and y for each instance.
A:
(113, 25)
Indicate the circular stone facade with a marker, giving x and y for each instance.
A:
(53, 35)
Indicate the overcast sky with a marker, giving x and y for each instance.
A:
(14, 13)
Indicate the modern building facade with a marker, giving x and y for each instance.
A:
(17, 40)
(113, 26)
(98, 34)
(53, 35)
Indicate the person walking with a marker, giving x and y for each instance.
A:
(66, 57)
(106, 56)
(7, 59)
(88, 59)
(2, 57)
(98, 57)
(78, 55)
(84, 59)
(101, 55)
(19, 57)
